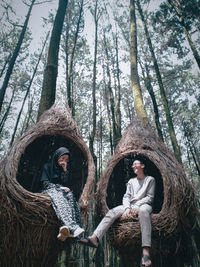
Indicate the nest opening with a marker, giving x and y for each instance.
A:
(37, 154)
(121, 174)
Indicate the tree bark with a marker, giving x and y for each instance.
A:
(7, 111)
(111, 95)
(51, 69)
(192, 46)
(191, 147)
(5, 65)
(93, 132)
(67, 55)
(108, 113)
(147, 81)
(28, 90)
(27, 117)
(14, 56)
(70, 68)
(118, 100)
(138, 101)
(162, 90)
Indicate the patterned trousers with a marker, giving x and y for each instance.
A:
(64, 204)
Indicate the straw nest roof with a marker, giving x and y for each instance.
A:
(175, 204)
(29, 226)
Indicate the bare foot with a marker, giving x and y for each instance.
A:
(91, 241)
(146, 261)
(94, 240)
(63, 233)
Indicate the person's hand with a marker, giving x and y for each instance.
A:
(62, 162)
(126, 214)
(66, 189)
(134, 212)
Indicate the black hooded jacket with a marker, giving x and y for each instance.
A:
(52, 172)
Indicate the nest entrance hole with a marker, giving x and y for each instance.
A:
(121, 174)
(37, 154)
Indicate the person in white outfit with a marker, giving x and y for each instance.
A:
(137, 204)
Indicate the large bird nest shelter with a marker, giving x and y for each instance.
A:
(175, 205)
(28, 224)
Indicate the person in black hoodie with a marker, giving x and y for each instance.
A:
(53, 180)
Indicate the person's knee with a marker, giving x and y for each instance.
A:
(69, 196)
(144, 212)
(110, 213)
(114, 213)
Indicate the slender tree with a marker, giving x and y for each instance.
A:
(28, 117)
(118, 98)
(28, 89)
(71, 60)
(108, 110)
(66, 48)
(191, 146)
(138, 101)
(149, 87)
(96, 16)
(5, 65)
(15, 55)
(161, 87)
(51, 69)
(111, 95)
(5, 116)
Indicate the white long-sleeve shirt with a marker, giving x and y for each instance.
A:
(139, 192)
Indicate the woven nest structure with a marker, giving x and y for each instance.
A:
(175, 204)
(28, 224)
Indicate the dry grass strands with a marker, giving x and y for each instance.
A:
(175, 204)
(28, 224)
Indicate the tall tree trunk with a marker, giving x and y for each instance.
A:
(192, 46)
(14, 56)
(93, 132)
(96, 14)
(147, 81)
(28, 90)
(129, 109)
(100, 141)
(67, 54)
(5, 65)
(118, 100)
(111, 95)
(27, 117)
(109, 124)
(137, 95)
(162, 91)
(51, 69)
(108, 113)
(191, 148)
(4, 118)
(195, 158)
(70, 68)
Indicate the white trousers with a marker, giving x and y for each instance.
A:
(144, 219)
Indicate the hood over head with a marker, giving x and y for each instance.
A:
(52, 171)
